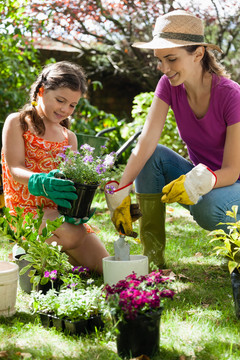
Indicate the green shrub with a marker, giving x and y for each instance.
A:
(169, 137)
(88, 119)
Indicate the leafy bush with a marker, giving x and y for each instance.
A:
(19, 59)
(230, 248)
(169, 137)
(88, 119)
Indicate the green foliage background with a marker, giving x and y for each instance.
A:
(19, 63)
(170, 136)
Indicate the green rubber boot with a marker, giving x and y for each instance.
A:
(152, 227)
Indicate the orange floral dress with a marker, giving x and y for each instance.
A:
(40, 157)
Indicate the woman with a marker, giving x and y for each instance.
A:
(32, 140)
(206, 104)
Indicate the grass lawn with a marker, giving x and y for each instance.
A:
(200, 322)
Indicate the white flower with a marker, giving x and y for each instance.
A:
(109, 160)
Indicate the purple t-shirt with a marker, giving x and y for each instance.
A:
(205, 137)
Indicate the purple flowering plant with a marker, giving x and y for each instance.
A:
(134, 295)
(73, 278)
(83, 166)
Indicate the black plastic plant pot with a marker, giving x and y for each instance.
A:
(46, 319)
(84, 326)
(76, 327)
(24, 280)
(235, 280)
(95, 322)
(49, 320)
(25, 283)
(58, 323)
(139, 336)
(81, 206)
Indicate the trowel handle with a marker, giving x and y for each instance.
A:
(121, 233)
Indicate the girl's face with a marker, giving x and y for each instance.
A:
(57, 105)
(178, 65)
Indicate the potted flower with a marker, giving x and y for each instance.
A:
(79, 311)
(230, 249)
(87, 171)
(39, 263)
(136, 306)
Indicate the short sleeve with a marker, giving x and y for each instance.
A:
(232, 106)
(163, 90)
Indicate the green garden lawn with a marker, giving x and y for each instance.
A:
(200, 322)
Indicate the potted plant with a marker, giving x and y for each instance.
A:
(230, 249)
(136, 306)
(79, 311)
(39, 258)
(87, 171)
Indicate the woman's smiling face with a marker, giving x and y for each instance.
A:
(177, 64)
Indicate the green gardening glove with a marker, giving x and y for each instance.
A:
(55, 189)
(78, 221)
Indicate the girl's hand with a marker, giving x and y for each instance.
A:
(55, 189)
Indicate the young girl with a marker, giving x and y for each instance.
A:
(206, 104)
(35, 136)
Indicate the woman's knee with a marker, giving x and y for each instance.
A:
(206, 216)
(212, 208)
(209, 214)
(150, 179)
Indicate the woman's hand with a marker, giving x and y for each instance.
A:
(189, 187)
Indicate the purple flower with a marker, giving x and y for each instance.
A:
(109, 189)
(80, 269)
(100, 169)
(53, 275)
(73, 285)
(87, 148)
(88, 158)
(46, 274)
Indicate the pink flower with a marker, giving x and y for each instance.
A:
(46, 274)
(135, 295)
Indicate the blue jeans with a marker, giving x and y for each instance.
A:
(165, 165)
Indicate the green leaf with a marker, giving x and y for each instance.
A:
(232, 266)
(25, 269)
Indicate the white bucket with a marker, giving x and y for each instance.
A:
(8, 287)
(113, 270)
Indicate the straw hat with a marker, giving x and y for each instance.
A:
(175, 29)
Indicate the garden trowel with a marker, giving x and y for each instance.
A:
(121, 249)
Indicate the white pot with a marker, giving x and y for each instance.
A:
(113, 270)
(8, 287)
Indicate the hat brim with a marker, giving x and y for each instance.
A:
(160, 43)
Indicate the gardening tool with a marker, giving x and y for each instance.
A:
(121, 249)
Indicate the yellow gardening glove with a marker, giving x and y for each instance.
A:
(122, 212)
(175, 192)
(188, 188)
(122, 218)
